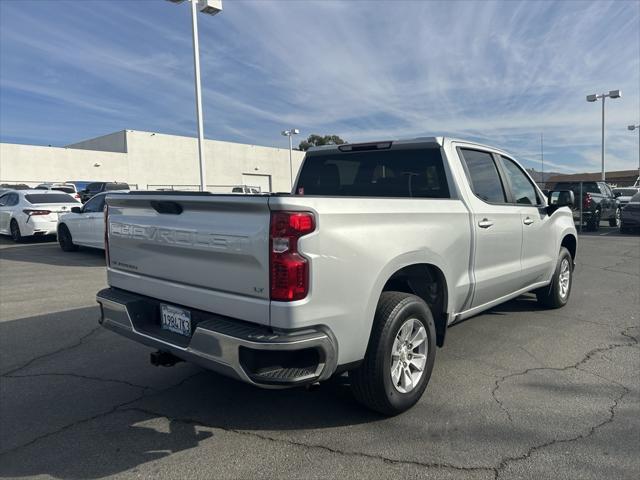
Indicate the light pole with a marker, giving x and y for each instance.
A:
(603, 96)
(289, 133)
(632, 128)
(209, 7)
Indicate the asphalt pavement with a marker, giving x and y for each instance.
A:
(517, 392)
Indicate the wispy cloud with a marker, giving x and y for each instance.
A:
(499, 72)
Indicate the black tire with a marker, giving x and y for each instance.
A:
(371, 383)
(615, 220)
(16, 236)
(551, 296)
(593, 224)
(65, 239)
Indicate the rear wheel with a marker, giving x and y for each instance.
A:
(400, 355)
(556, 295)
(65, 240)
(16, 236)
(615, 220)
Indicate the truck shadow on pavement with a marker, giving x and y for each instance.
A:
(87, 404)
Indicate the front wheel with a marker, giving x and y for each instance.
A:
(556, 295)
(615, 220)
(400, 355)
(66, 240)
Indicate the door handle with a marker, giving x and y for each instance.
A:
(485, 223)
(527, 221)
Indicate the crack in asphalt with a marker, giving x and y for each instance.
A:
(588, 356)
(79, 342)
(505, 462)
(105, 413)
(497, 470)
(83, 377)
(350, 453)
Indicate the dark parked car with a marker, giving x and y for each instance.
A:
(81, 184)
(624, 194)
(99, 187)
(597, 201)
(630, 214)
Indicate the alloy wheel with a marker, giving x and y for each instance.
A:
(408, 355)
(565, 278)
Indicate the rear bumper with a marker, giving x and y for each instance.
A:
(37, 226)
(248, 352)
(586, 215)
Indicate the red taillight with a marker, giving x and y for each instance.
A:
(31, 213)
(586, 203)
(106, 233)
(289, 269)
(77, 196)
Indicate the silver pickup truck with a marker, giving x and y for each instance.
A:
(379, 248)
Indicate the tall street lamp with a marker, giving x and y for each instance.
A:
(632, 128)
(603, 96)
(289, 133)
(209, 7)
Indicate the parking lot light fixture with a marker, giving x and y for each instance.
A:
(209, 7)
(632, 128)
(603, 96)
(289, 133)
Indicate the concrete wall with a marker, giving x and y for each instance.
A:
(169, 159)
(151, 159)
(113, 142)
(33, 164)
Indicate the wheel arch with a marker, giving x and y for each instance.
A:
(427, 281)
(570, 242)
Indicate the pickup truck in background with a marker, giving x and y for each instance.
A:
(380, 247)
(598, 203)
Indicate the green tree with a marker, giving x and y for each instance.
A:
(318, 140)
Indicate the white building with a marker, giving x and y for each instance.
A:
(150, 160)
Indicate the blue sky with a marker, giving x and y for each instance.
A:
(497, 72)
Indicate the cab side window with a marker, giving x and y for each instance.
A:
(524, 192)
(96, 204)
(483, 176)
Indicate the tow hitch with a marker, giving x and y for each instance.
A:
(163, 359)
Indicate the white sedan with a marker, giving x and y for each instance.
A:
(25, 213)
(83, 226)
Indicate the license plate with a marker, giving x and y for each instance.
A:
(174, 319)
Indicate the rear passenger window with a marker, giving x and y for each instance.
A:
(483, 176)
(522, 189)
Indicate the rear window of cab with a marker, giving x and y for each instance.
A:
(399, 173)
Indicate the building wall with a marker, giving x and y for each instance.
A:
(151, 160)
(158, 159)
(34, 164)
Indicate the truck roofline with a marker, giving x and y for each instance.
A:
(417, 141)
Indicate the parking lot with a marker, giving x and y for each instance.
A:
(518, 392)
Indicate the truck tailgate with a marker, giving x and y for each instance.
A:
(203, 251)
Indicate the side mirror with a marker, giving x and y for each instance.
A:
(76, 209)
(616, 194)
(560, 198)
